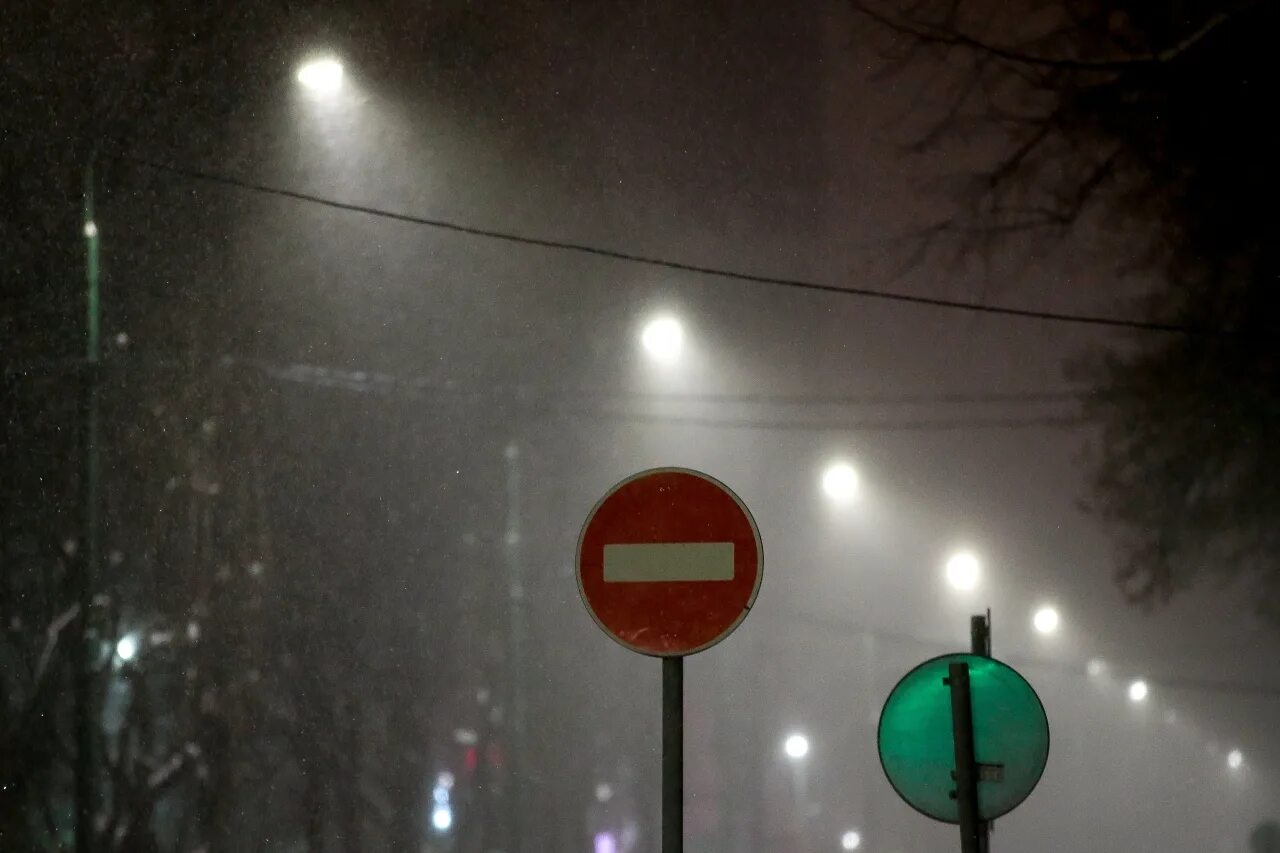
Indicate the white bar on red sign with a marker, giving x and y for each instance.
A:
(658, 562)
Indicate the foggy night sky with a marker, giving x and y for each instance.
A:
(753, 141)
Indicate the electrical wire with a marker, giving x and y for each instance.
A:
(665, 263)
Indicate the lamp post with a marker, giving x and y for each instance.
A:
(83, 654)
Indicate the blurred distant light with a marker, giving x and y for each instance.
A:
(963, 571)
(851, 840)
(1138, 691)
(1046, 620)
(605, 843)
(1095, 667)
(796, 746)
(663, 339)
(441, 817)
(1235, 758)
(466, 737)
(604, 792)
(445, 780)
(840, 482)
(127, 647)
(91, 229)
(1170, 717)
(322, 75)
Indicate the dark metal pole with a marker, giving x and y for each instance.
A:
(966, 774)
(673, 755)
(517, 741)
(980, 644)
(82, 654)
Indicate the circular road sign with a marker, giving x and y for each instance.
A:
(1010, 737)
(669, 562)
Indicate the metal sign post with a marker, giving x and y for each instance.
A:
(673, 755)
(980, 644)
(966, 772)
(669, 564)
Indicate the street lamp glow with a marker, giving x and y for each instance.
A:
(840, 482)
(1235, 758)
(796, 746)
(851, 840)
(1095, 667)
(322, 76)
(1138, 691)
(127, 647)
(442, 818)
(663, 339)
(1046, 620)
(963, 571)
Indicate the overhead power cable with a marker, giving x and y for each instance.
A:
(667, 263)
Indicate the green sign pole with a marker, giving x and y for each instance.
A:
(964, 739)
(966, 772)
(980, 644)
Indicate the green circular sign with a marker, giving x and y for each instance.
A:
(1010, 737)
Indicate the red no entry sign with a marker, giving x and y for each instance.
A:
(669, 562)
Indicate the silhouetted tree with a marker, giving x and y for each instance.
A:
(1142, 126)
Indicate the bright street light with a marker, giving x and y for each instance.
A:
(851, 840)
(663, 339)
(840, 482)
(1046, 620)
(322, 75)
(796, 746)
(1235, 758)
(127, 647)
(1138, 691)
(963, 571)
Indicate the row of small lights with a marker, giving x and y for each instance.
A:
(663, 339)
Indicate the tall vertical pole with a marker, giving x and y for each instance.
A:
(518, 638)
(82, 659)
(673, 755)
(966, 774)
(980, 644)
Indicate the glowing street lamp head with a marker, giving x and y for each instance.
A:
(127, 647)
(322, 75)
(1235, 759)
(796, 746)
(851, 840)
(441, 818)
(1046, 620)
(963, 571)
(1138, 691)
(663, 339)
(840, 482)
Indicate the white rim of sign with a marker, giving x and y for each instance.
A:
(755, 532)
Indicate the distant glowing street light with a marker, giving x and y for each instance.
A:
(1235, 758)
(1046, 620)
(127, 647)
(840, 482)
(1095, 667)
(796, 746)
(1138, 691)
(851, 840)
(322, 75)
(441, 818)
(663, 339)
(963, 571)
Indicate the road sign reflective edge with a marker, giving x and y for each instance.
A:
(755, 532)
(1048, 736)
